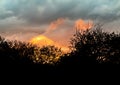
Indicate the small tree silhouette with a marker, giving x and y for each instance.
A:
(4, 56)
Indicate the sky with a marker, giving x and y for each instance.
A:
(24, 19)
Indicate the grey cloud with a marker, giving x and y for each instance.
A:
(74, 9)
(44, 11)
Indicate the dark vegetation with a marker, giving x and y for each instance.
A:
(87, 47)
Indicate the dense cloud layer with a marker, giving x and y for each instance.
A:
(44, 11)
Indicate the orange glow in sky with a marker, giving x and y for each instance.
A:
(55, 24)
(42, 40)
(82, 25)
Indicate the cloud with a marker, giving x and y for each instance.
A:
(82, 25)
(55, 24)
(45, 11)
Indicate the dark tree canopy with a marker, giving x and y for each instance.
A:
(16, 52)
(94, 47)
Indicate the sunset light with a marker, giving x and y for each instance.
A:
(55, 24)
(83, 25)
(41, 41)
(44, 41)
(60, 32)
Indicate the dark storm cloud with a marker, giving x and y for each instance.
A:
(37, 12)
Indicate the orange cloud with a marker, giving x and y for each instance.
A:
(55, 24)
(82, 25)
(42, 40)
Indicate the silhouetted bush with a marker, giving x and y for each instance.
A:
(94, 47)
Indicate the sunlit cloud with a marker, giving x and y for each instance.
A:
(55, 24)
(82, 25)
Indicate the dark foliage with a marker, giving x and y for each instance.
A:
(93, 47)
(47, 55)
(15, 52)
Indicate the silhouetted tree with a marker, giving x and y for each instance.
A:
(15, 52)
(94, 47)
(4, 49)
(22, 52)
